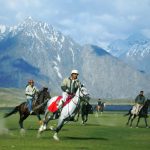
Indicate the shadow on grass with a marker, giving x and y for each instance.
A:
(85, 138)
(92, 124)
(33, 129)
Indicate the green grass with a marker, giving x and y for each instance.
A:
(108, 132)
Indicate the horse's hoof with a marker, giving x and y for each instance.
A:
(51, 128)
(96, 115)
(38, 135)
(44, 127)
(40, 131)
(22, 132)
(55, 137)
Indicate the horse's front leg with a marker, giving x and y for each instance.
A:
(44, 125)
(58, 128)
(39, 118)
(86, 117)
(128, 119)
(138, 122)
(83, 119)
(146, 122)
(76, 117)
(132, 118)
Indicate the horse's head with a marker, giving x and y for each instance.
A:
(43, 95)
(84, 92)
(147, 102)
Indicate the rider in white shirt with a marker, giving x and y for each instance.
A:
(30, 92)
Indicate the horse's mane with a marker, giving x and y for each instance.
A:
(145, 107)
(40, 95)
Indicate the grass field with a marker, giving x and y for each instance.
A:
(107, 132)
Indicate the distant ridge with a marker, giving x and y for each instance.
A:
(35, 50)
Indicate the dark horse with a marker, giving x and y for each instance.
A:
(142, 114)
(38, 106)
(85, 109)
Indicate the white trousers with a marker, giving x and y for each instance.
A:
(136, 108)
(64, 97)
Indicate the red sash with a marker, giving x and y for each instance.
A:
(54, 105)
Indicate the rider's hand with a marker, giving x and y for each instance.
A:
(67, 90)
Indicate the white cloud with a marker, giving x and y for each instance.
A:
(19, 4)
(86, 21)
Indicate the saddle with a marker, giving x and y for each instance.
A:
(136, 109)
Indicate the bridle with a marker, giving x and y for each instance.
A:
(84, 95)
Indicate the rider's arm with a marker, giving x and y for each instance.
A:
(35, 90)
(28, 92)
(64, 85)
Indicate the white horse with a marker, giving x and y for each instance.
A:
(68, 111)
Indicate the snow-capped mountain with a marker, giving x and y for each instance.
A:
(35, 50)
(135, 51)
(39, 51)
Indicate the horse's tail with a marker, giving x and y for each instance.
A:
(129, 112)
(15, 110)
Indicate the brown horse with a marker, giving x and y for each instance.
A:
(100, 108)
(38, 105)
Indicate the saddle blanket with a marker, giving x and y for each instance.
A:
(53, 107)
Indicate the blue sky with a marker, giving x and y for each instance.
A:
(86, 21)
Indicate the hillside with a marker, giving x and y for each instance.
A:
(11, 96)
(35, 50)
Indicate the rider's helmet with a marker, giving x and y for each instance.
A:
(74, 71)
(30, 81)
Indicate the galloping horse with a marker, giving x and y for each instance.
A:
(143, 113)
(100, 108)
(85, 108)
(68, 111)
(24, 112)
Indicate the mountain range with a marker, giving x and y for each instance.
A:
(135, 51)
(36, 50)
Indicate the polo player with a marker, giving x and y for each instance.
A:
(30, 92)
(69, 86)
(139, 102)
